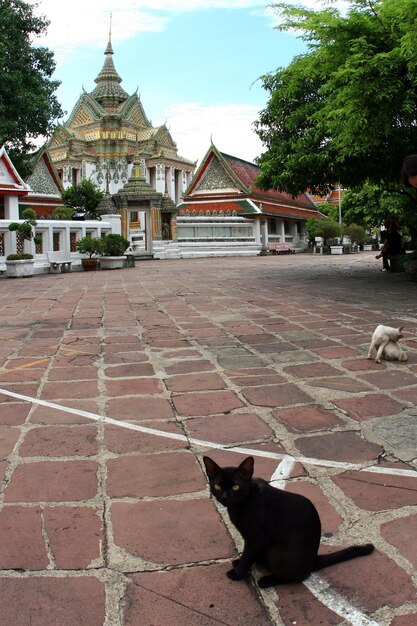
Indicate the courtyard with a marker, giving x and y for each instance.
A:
(114, 384)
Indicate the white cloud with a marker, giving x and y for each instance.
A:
(194, 125)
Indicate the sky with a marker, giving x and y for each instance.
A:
(195, 63)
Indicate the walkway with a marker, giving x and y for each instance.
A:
(114, 384)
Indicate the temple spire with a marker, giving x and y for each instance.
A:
(108, 92)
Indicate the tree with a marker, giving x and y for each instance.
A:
(28, 106)
(346, 110)
(85, 196)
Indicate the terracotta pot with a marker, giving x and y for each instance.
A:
(89, 265)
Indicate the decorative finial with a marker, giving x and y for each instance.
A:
(111, 15)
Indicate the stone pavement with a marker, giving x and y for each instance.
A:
(109, 522)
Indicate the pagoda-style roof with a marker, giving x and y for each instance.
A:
(108, 89)
(223, 180)
(11, 183)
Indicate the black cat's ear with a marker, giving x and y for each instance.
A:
(211, 467)
(246, 468)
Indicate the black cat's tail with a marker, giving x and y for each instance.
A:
(353, 552)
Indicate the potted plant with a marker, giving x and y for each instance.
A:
(92, 247)
(20, 265)
(113, 250)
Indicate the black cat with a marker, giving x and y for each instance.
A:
(281, 530)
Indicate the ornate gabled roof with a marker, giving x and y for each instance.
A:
(11, 183)
(108, 81)
(44, 178)
(86, 110)
(215, 173)
(133, 111)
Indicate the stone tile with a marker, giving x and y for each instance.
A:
(339, 383)
(271, 379)
(377, 492)
(335, 352)
(360, 365)
(154, 475)
(20, 375)
(401, 533)
(128, 370)
(366, 407)
(408, 394)
(22, 545)
(118, 358)
(312, 370)
(195, 382)
(228, 429)
(63, 390)
(201, 596)
(184, 367)
(390, 379)
(160, 531)
(345, 446)
(53, 481)
(8, 440)
(307, 418)
(139, 409)
(275, 395)
(3, 467)
(65, 601)
(206, 403)
(72, 373)
(405, 620)
(50, 415)
(60, 441)
(124, 441)
(132, 386)
(75, 535)
(297, 605)
(380, 589)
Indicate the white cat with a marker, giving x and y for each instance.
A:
(386, 341)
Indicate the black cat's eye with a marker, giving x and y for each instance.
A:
(235, 487)
(217, 487)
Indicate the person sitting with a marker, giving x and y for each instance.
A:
(393, 243)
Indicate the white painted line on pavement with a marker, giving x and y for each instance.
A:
(211, 444)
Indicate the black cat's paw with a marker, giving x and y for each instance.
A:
(232, 575)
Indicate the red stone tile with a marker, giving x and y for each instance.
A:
(335, 352)
(78, 389)
(160, 531)
(408, 394)
(50, 415)
(14, 413)
(117, 358)
(47, 600)
(330, 518)
(22, 545)
(72, 373)
(359, 365)
(3, 467)
(405, 620)
(226, 429)
(123, 441)
(243, 381)
(201, 596)
(139, 409)
(75, 535)
(131, 386)
(129, 369)
(275, 395)
(377, 492)
(254, 371)
(60, 441)
(154, 475)
(312, 370)
(8, 440)
(341, 446)
(20, 375)
(53, 481)
(306, 418)
(401, 533)
(387, 584)
(195, 382)
(297, 605)
(340, 383)
(366, 407)
(206, 403)
(391, 379)
(184, 367)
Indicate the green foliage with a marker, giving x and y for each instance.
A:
(355, 232)
(28, 106)
(328, 229)
(85, 196)
(24, 256)
(25, 229)
(92, 246)
(62, 213)
(345, 110)
(114, 245)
